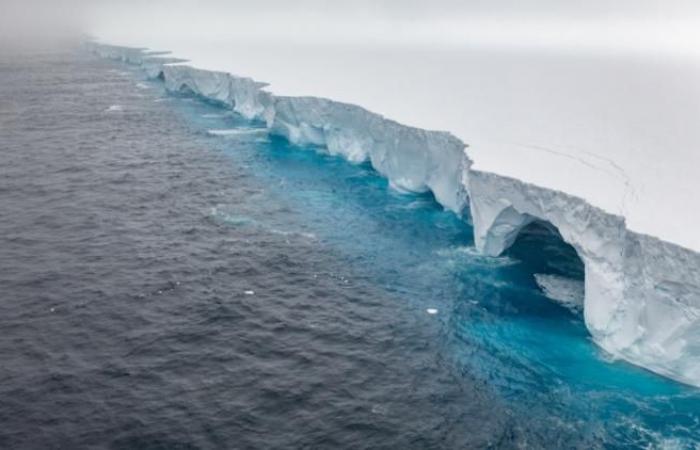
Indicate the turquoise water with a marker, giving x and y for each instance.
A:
(494, 320)
(165, 287)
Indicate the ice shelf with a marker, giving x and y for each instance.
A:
(642, 293)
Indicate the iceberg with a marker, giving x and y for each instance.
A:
(641, 294)
(412, 159)
(243, 95)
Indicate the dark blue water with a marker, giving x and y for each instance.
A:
(162, 287)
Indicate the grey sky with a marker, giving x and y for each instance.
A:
(369, 19)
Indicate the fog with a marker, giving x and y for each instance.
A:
(623, 25)
(40, 21)
(639, 26)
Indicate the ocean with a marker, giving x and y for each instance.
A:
(171, 276)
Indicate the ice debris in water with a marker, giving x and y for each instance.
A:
(470, 255)
(249, 292)
(431, 311)
(566, 291)
(115, 108)
(237, 131)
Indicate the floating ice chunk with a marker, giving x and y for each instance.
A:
(303, 234)
(566, 291)
(468, 255)
(238, 132)
(379, 409)
(230, 219)
(249, 292)
(431, 311)
(115, 108)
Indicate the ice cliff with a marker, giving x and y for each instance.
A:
(642, 295)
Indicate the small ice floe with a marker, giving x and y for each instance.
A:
(230, 219)
(115, 108)
(53, 309)
(121, 73)
(237, 131)
(566, 291)
(249, 292)
(431, 311)
(379, 409)
(303, 234)
(418, 204)
(462, 255)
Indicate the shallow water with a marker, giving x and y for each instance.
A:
(172, 277)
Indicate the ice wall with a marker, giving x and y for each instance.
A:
(642, 295)
(412, 159)
(244, 95)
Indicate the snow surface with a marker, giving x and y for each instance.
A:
(603, 148)
(619, 132)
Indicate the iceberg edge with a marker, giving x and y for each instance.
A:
(642, 294)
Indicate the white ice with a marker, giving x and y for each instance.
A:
(589, 125)
(566, 291)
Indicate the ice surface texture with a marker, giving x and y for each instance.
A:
(642, 295)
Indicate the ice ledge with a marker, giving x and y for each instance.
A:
(642, 295)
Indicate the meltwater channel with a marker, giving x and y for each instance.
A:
(173, 277)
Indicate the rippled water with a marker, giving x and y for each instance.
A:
(163, 286)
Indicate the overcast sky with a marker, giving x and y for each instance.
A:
(642, 24)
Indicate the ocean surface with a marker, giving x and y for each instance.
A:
(171, 277)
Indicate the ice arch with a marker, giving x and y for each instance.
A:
(640, 301)
(501, 207)
(553, 263)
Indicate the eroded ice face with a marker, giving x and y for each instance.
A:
(594, 101)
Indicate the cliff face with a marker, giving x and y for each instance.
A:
(642, 295)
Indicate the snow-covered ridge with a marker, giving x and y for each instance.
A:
(642, 295)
